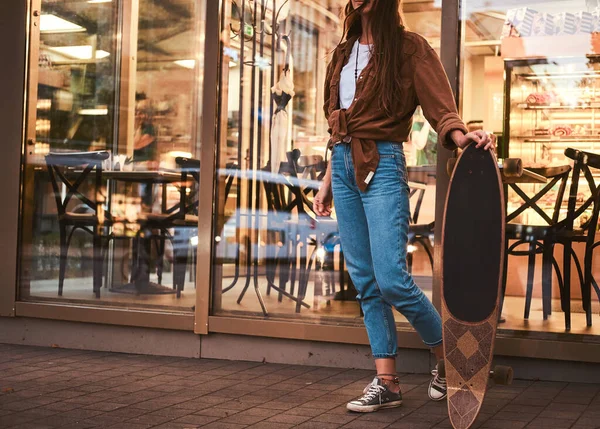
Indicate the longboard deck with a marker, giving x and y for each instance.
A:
(473, 246)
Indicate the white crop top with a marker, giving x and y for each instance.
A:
(348, 75)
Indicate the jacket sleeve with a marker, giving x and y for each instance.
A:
(435, 96)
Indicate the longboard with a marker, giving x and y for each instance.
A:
(473, 249)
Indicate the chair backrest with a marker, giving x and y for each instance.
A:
(276, 193)
(59, 165)
(582, 162)
(556, 175)
(288, 171)
(188, 203)
(416, 195)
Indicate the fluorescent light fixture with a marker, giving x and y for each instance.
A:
(53, 24)
(176, 153)
(83, 52)
(188, 64)
(99, 1)
(99, 111)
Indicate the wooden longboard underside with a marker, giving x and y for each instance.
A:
(468, 358)
(473, 246)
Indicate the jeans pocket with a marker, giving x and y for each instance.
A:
(401, 165)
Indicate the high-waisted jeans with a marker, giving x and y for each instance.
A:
(374, 234)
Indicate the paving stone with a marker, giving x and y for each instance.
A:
(80, 390)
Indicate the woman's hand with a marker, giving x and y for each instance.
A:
(322, 201)
(479, 137)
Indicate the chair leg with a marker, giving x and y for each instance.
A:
(504, 280)
(318, 284)
(63, 259)
(558, 277)
(97, 261)
(342, 270)
(284, 269)
(303, 277)
(426, 246)
(530, 278)
(180, 260)
(271, 262)
(586, 287)
(160, 257)
(293, 266)
(547, 279)
(566, 295)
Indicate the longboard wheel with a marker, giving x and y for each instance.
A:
(513, 167)
(502, 375)
(450, 166)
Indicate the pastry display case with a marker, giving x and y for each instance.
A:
(551, 104)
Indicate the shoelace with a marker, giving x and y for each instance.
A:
(439, 381)
(372, 392)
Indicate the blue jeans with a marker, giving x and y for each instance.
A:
(374, 234)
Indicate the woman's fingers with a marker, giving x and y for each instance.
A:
(321, 209)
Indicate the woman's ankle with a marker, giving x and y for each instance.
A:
(391, 381)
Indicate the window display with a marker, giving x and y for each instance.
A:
(531, 75)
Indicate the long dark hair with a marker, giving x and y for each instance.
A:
(387, 28)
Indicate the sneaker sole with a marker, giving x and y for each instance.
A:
(435, 399)
(372, 408)
(438, 399)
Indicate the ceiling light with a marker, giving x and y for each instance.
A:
(83, 52)
(99, 111)
(99, 1)
(176, 153)
(188, 64)
(53, 24)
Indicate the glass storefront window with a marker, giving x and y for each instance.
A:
(531, 75)
(111, 171)
(272, 254)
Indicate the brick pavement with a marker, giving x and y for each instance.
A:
(45, 388)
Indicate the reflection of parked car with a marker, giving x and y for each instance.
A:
(277, 226)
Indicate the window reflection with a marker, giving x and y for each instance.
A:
(530, 76)
(273, 255)
(112, 173)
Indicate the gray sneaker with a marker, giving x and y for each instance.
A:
(437, 387)
(376, 396)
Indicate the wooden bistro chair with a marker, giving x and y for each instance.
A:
(577, 227)
(534, 236)
(88, 215)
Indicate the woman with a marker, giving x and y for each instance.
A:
(375, 81)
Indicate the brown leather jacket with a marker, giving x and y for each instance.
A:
(424, 83)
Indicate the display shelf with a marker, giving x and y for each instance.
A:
(544, 96)
(566, 139)
(526, 106)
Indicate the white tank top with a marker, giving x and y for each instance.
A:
(348, 76)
